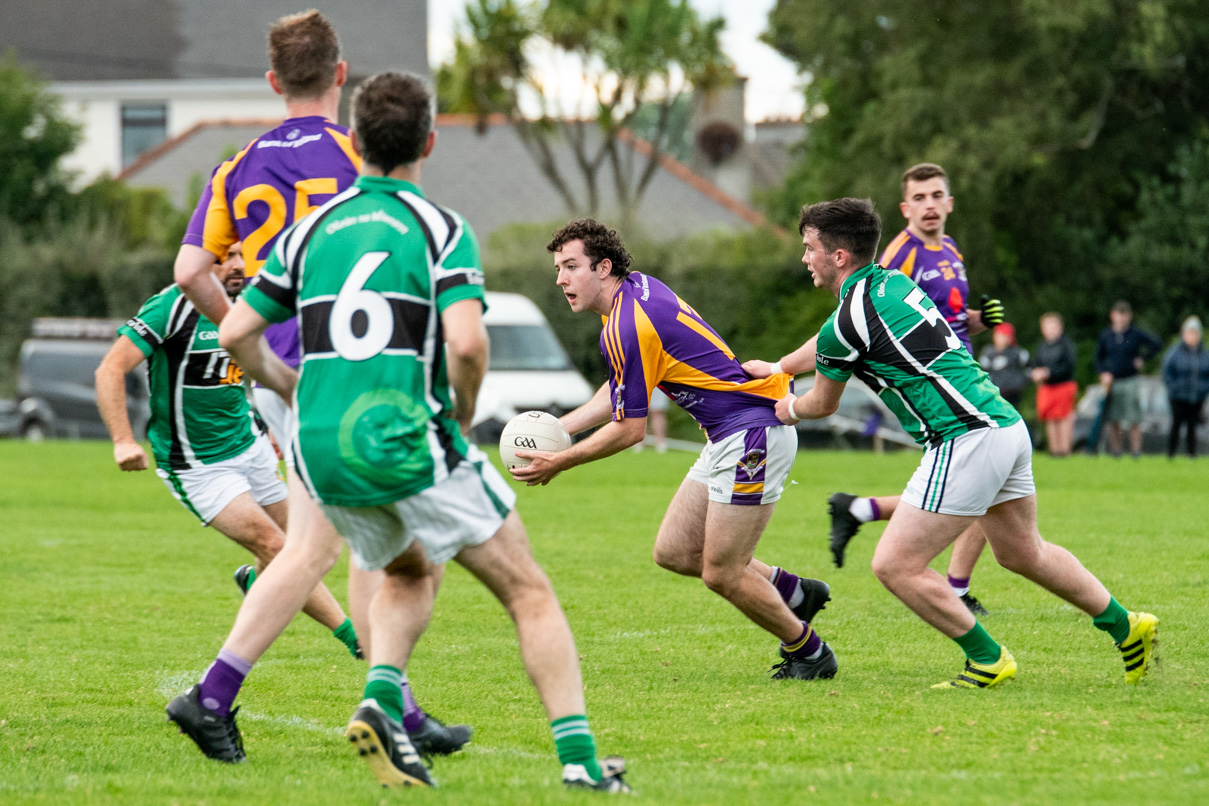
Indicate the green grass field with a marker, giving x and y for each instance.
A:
(114, 600)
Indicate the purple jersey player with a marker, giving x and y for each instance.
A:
(653, 338)
(277, 179)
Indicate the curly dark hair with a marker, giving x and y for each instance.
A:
(600, 242)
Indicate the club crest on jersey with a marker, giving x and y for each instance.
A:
(752, 462)
(293, 135)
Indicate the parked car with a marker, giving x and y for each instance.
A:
(1156, 417)
(529, 369)
(861, 421)
(56, 387)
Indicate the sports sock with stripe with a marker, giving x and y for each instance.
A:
(960, 586)
(221, 683)
(864, 509)
(347, 634)
(382, 685)
(413, 714)
(808, 645)
(787, 585)
(979, 646)
(1114, 621)
(575, 745)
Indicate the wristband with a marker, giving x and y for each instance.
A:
(775, 368)
(793, 412)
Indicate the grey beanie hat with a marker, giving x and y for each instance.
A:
(1192, 323)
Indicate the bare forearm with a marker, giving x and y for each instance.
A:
(591, 414)
(111, 401)
(613, 438)
(800, 360)
(974, 321)
(253, 354)
(466, 375)
(812, 406)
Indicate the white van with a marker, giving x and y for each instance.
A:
(529, 369)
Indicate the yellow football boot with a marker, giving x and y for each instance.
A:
(1141, 647)
(980, 675)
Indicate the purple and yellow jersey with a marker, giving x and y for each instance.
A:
(277, 179)
(653, 338)
(940, 272)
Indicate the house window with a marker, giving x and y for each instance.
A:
(144, 126)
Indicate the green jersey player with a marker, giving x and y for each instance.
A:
(388, 292)
(208, 451)
(977, 463)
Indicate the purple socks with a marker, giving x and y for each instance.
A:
(413, 716)
(960, 586)
(220, 684)
(785, 583)
(808, 644)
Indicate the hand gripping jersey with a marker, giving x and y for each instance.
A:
(367, 276)
(199, 412)
(277, 179)
(940, 272)
(653, 338)
(890, 335)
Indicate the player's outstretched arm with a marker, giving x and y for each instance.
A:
(799, 361)
(467, 349)
(821, 401)
(242, 335)
(612, 438)
(122, 357)
(597, 411)
(194, 273)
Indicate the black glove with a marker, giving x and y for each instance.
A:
(991, 311)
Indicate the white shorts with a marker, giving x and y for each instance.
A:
(464, 510)
(279, 417)
(659, 401)
(205, 491)
(971, 473)
(748, 467)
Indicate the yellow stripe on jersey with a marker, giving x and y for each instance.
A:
(893, 247)
(654, 357)
(908, 264)
(773, 387)
(218, 231)
(346, 145)
(753, 487)
(692, 323)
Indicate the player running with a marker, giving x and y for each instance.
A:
(210, 454)
(277, 179)
(927, 255)
(977, 463)
(389, 291)
(653, 338)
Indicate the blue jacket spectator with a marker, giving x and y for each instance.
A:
(1186, 375)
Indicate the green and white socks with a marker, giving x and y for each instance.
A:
(384, 686)
(573, 739)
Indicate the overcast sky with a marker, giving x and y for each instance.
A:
(773, 83)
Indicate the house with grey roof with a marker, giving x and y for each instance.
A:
(479, 168)
(136, 73)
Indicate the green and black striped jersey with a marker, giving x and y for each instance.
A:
(890, 335)
(368, 275)
(199, 410)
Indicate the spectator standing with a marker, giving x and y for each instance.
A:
(1005, 361)
(1120, 354)
(1186, 375)
(1054, 373)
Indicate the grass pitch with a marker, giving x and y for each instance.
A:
(114, 600)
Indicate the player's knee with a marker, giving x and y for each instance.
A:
(884, 569)
(1020, 559)
(676, 561)
(722, 580)
(265, 542)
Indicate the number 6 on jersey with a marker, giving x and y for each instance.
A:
(362, 322)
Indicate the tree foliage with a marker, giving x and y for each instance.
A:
(34, 135)
(1065, 128)
(630, 60)
(751, 287)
